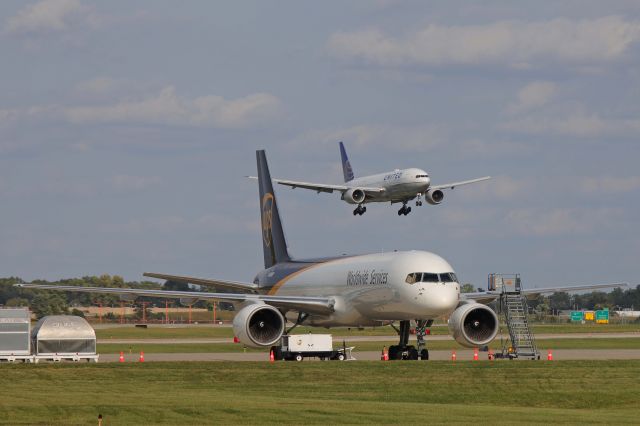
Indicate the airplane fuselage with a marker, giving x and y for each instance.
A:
(369, 289)
(398, 185)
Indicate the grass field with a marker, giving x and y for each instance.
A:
(569, 392)
(157, 332)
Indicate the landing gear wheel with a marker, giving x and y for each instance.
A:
(413, 353)
(359, 210)
(299, 357)
(407, 211)
(340, 357)
(393, 352)
(424, 355)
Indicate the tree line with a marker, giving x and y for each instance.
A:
(49, 302)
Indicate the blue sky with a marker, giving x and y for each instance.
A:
(126, 129)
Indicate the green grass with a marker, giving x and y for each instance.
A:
(569, 392)
(157, 332)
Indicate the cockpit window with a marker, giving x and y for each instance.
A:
(430, 278)
(422, 176)
(449, 277)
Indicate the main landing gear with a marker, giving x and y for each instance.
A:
(409, 352)
(404, 210)
(359, 210)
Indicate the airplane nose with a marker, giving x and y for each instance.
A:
(442, 299)
(427, 181)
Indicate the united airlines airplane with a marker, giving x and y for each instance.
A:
(398, 186)
(356, 291)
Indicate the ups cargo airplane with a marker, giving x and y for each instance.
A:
(398, 186)
(356, 291)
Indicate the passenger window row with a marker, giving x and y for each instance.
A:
(428, 277)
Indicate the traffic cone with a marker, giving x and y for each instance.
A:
(271, 357)
(121, 359)
(491, 357)
(453, 356)
(549, 355)
(386, 354)
(141, 356)
(475, 354)
(235, 339)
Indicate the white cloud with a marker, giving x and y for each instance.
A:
(134, 183)
(96, 86)
(533, 95)
(169, 108)
(404, 138)
(517, 44)
(610, 184)
(578, 123)
(562, 221)
(164, 108)
(44, 16)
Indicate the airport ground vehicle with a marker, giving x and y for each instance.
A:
(299, 346)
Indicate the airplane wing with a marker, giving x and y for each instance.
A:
(312, 305)
(249, 287)
(454, 184)
(321, 187)
(490, 296)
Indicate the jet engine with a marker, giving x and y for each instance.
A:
(258, 325)
(473, 324)
(354, 196)
(434, 197)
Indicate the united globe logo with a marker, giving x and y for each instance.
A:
(267, 218)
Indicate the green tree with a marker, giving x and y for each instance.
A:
(467, 288)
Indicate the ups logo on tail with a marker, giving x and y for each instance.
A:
(267, 218)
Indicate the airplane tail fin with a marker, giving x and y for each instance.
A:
(347, 171)
(274, 243)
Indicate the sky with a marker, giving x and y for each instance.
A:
(127, 127)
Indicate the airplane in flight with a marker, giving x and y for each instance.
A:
(355, 291)
(398, 186)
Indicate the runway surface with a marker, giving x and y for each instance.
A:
(462, 355)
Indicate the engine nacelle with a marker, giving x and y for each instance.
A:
(473, 325)
(354, 196)
(434, 197)
(259, 325)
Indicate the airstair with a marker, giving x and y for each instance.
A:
(513, 307)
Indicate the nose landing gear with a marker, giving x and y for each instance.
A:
(360, 210)
(419, 199)
(404, 351)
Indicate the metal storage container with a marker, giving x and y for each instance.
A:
(15, 328)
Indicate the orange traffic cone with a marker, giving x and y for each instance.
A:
(141, 356)
(121, 359)
(235, 339)
(475, 354)
(271, 357)
(549, 355)
(491, 357)
(453, 356)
